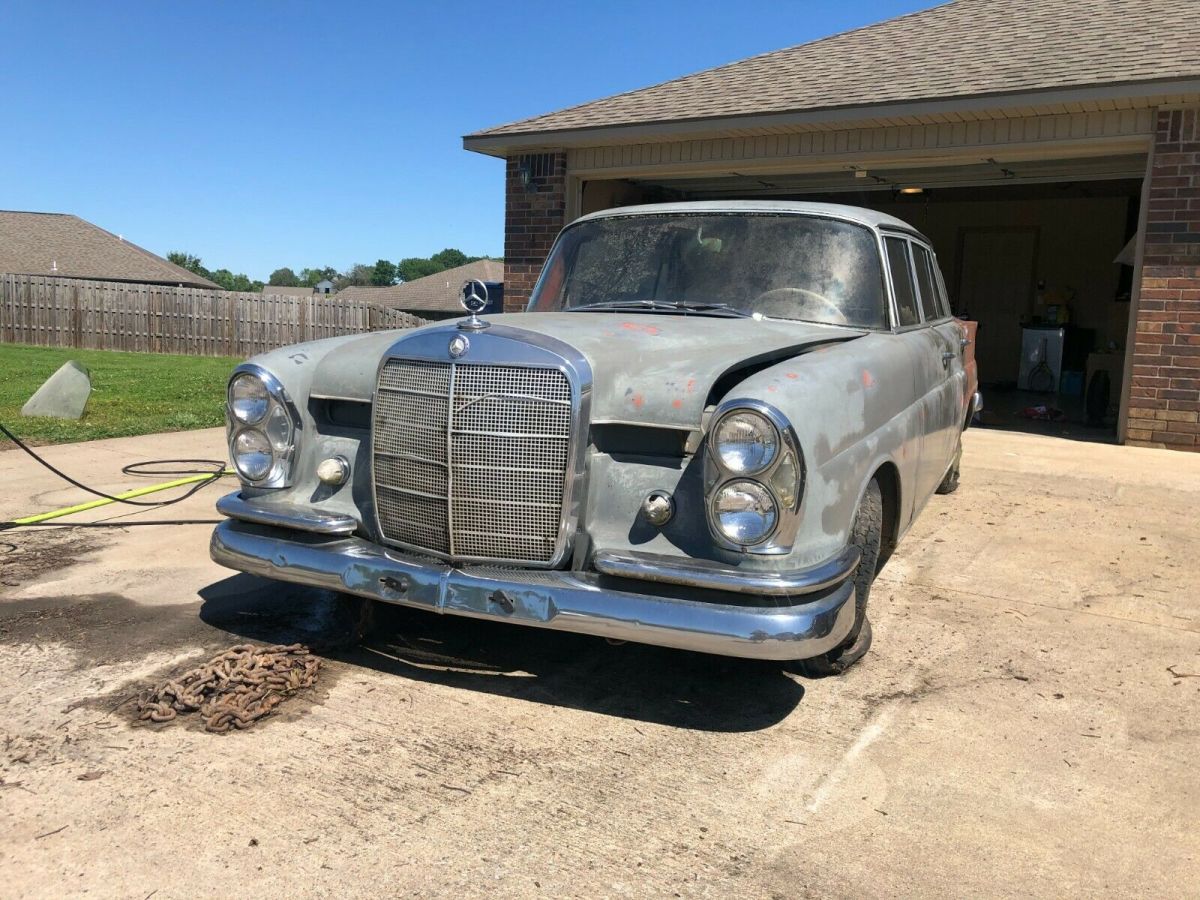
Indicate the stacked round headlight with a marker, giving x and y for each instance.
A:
(745, 512)
(261, 429)
(753, 480)
(745, 442)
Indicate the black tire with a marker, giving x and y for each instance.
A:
(867, 536)
(950, 481)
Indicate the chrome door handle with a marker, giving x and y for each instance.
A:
(946, 358)
(964, 343)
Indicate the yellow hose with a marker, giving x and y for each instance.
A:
(128, 495)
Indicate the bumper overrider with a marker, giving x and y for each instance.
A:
(633, 597)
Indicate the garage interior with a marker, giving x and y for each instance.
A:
(1028, 249)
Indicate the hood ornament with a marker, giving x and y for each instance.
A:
(474, 300)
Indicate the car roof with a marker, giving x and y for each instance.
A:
(868, 217)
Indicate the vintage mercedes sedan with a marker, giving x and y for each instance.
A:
(708, 431)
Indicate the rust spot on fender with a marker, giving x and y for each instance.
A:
(792, 375)
(638, 401)
(691, 385)
(637, 326)
(868, 380)
(677, 403)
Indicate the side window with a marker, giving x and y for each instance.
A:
(925, 281)
(906, 301)
(943, 297)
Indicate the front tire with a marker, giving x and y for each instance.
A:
(867, 536)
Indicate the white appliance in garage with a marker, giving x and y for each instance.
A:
(1041, 358)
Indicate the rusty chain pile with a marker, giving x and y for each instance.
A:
(235, 689)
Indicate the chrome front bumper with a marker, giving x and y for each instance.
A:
(582, 602)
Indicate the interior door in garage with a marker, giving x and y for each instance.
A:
(995, 288)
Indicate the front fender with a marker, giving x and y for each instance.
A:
(853, 408)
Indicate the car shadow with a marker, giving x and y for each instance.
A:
(632, 681)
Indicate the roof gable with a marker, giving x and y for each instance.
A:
(966, 48)
(437, 292)
(66, 246)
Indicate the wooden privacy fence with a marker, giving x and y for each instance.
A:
(151, 318)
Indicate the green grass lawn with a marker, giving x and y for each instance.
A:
(132, 393)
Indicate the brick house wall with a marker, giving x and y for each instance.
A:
(535, 209)
(1164, 400)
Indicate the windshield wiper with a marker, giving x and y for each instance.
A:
(711, 309)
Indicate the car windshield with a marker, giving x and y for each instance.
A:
(786, 266)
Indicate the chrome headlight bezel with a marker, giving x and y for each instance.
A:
(279, 426)
(782, 476)
(767, 433)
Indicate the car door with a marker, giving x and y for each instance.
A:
(929, 370)
(948, 336)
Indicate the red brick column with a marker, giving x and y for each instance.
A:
(535, 209)
(1164, 400)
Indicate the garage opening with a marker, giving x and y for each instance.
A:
(1038, 253)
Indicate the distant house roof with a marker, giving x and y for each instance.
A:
(433, 293)
(33, 243)
(280, 290)
(966, 48)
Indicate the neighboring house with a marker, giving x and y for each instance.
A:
(435, 296)
(325, 287)
(280, 290)
(1030, 141)
(65, 246)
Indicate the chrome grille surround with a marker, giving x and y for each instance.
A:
(479, 458)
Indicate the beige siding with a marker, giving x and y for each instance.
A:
(1075, 133)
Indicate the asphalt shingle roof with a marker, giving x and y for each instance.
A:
(960, 49)
(437, 292)
(280, 290)
(33, 243)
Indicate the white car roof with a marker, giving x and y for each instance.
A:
(868, 217)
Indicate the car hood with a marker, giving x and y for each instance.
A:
(646, 368)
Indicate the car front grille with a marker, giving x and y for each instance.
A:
(471, 459)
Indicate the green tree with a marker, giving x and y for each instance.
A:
(313, 277)
(384, 273)
(223, 277)
(284, 277)
(189, 262)
(358, 275)
(414, 267)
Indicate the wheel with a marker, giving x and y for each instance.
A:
(867, 536)
(950, 482)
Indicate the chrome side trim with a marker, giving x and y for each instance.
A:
(235, 506)
(563, 601)
(703, 573)
(977, 402)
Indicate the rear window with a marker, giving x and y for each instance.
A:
(906, 301)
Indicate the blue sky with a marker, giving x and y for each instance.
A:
(264, 134)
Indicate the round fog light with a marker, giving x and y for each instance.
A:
(333, 471)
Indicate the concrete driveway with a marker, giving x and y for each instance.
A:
(1015, 730)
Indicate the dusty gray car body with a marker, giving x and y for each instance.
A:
(885, 404)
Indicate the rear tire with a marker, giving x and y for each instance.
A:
(867, 536)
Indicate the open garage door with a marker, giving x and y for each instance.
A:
(1027, 249)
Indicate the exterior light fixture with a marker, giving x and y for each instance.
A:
(912, 190)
